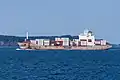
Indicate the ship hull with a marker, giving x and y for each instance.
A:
(24, 46)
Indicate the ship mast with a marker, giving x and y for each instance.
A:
(26, 36)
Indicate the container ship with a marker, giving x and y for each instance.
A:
(85, 41)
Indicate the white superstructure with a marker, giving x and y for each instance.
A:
(87, 38)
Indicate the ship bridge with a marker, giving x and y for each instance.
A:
(88, 37)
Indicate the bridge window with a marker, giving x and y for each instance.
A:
(89, 40)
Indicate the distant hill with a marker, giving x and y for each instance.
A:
(116, 46)
(12, 40)
(9, 40)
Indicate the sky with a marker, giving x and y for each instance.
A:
(61, 17)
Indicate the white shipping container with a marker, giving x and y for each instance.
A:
(58, 39)
(39, 42)
(103, 42)
(52, 44)
(47, 42)
(97, 42)
(66, 43)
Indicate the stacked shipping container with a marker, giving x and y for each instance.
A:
(40, 42)
(58, 42)
(46, 42)
(103, 42)
(65, 41)
(98, 42)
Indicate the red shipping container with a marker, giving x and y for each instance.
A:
(58, 43)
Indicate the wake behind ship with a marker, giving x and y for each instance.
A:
(86, 41)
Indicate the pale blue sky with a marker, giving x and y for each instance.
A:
(58, 17)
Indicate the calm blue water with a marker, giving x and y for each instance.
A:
(59, 65)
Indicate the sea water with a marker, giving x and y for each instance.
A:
(59, 64)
